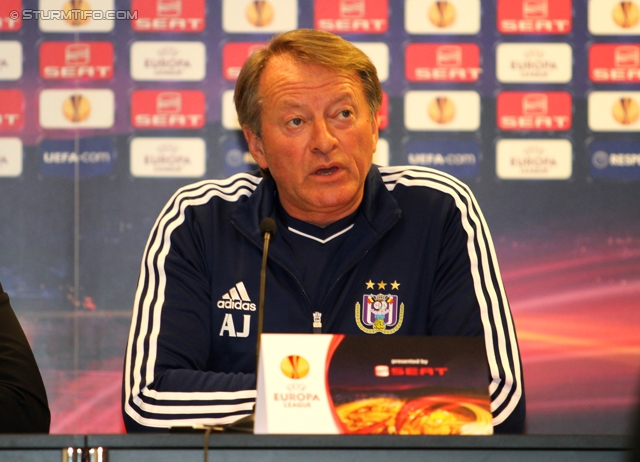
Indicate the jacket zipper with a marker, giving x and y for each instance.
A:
(357, 260)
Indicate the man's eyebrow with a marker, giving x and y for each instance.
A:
(345, 95)
(293, 103)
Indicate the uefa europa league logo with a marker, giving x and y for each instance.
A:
(76, 108)
(442, 14)
(294, 367)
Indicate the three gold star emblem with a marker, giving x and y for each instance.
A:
(395, 285)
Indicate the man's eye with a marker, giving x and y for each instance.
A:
(345, 113)
(296, 122)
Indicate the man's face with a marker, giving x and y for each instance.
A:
(318, 138)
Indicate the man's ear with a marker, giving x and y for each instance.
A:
(255, 147)
(375, 123)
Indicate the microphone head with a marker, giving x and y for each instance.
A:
(268, 225)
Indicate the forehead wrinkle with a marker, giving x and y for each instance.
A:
(286, 96)
(286, 83)
(298, 83)
(292, 103)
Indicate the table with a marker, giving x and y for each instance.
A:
(370, 448)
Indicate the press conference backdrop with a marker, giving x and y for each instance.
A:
(108, 106)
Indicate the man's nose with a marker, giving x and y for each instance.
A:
(323, 140)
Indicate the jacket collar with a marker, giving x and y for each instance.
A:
(378, 210)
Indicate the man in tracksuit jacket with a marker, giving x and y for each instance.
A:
(347, 232)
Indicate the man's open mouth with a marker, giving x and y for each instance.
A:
(326, 171)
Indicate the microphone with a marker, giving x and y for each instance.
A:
(268, 231)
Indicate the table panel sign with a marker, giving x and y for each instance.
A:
(337, 384)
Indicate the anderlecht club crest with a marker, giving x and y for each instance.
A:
(380, 313)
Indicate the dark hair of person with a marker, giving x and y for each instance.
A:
(307, 46)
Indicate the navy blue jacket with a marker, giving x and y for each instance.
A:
(419, 233)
